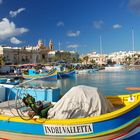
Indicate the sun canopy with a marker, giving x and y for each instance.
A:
(79, 102)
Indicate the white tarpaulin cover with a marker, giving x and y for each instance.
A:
(79, 102)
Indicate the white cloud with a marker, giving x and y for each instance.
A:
(98, 24)
(134, 6)
(14, 40)
(1, 1)
(60, 23)
(117, 26)
(14, 13)
(73, 34)
(72, 46)
(8, 29)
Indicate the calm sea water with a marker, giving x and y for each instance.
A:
(109, 83)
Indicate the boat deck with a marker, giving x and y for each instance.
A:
(9, 108)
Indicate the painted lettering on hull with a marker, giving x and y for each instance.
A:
(68, 129)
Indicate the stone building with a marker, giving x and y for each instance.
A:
(34, 54)
(28, 54)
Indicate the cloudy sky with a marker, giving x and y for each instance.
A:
(71, 24)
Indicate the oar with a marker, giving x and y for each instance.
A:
(133, 88)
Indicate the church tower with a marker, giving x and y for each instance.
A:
(51, 46)
(40, 44)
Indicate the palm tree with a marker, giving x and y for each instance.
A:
(74, 60)
(92, 61)
(2, 59)
(86, 58)
(128, 60)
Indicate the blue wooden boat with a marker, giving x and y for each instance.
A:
(34, 74)
(11, 80)
(122, 123)
(3, 80)
(66, 74)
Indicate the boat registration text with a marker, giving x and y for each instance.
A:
(68, 129)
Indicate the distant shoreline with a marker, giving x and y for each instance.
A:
(133, 67)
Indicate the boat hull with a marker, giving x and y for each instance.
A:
(11, 80)
(41, 76)
(120, 124)
(132, 132)
(66, 74)
(114, 68)
(86, 71)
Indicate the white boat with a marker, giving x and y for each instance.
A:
(116, 67)
(86, 71)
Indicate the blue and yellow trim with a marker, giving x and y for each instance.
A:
(49, 75)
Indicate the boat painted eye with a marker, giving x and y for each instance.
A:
(131, 99)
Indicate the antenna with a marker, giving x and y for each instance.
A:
(100, 44)
(133, 43)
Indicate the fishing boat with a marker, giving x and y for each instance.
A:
(122, 123)
(34, 74)
(11, 80)
(66, 74)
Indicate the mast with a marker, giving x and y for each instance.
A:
(59, 45)
(101, 45)
(101, 57)
(133, 43)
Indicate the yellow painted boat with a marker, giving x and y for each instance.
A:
(33, 74)
(122, 123)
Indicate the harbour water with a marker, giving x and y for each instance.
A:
(109, 83)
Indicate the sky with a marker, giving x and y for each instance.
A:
(80, 25)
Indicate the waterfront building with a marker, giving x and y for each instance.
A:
(28, 54)
(123, 56)
(120, 57)
(34, 54)
(99, 59)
